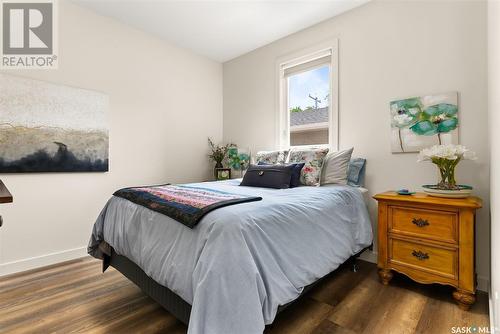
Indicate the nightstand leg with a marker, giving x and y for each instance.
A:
(464, 299)
(385, 276)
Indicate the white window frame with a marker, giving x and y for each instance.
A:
(282, 115)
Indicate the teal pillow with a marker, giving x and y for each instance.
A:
(356, 172)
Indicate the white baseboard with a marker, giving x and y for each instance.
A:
(41, 261)
(369, 256)
(483, 283)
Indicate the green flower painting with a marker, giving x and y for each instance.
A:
(420, 122)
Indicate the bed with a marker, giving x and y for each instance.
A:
(241, 263)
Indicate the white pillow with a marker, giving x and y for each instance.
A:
(334, 170)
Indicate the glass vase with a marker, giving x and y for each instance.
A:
(447, 173)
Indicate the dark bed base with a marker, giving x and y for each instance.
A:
(171, 301)
(162, 295)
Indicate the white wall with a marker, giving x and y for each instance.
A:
(388, 49)
(494, 122)
(164, 102)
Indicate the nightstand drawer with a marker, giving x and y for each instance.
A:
(438, 225)
(428, 258)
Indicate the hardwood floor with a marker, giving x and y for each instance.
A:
(77, 297)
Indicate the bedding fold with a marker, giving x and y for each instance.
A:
(186, 204)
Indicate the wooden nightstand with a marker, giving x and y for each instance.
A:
(429, 239)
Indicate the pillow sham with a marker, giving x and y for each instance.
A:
(313, 160)
(356, 172)
(268, 176)
(272, 157)
(334, 170)
(295, 180)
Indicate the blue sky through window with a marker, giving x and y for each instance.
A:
(315, 82)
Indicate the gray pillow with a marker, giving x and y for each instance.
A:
(334, 170)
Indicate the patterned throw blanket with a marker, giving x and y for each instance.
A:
(186, 204)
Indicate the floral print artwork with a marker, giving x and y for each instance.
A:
(313, 160)
(420, 122)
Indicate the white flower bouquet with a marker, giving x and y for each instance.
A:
(446, 157)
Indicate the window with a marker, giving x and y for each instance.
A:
(308, 100)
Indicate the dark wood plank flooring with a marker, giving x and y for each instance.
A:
(75, 297)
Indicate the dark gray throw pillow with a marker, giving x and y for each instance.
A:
(297, 167)
(268, 176)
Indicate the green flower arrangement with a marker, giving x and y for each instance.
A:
(218, 152)
(238, 160)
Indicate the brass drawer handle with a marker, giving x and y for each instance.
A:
(420, 222)
(420, 255)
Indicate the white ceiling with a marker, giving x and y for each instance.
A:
(220, 30)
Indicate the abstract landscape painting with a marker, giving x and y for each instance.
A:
(46, 127)
(420, 122)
